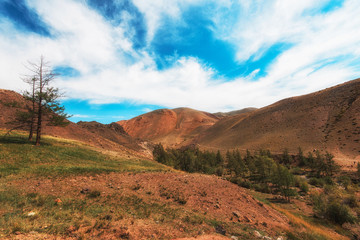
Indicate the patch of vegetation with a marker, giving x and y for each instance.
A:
(12, 104)
(304, 236)
(62, 158)
(330, 207)
(274, 174)
(259, 172)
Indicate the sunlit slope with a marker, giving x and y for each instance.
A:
(95, 134)
(172, 127)
(326, 120)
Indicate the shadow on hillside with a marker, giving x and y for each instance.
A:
(8, 139)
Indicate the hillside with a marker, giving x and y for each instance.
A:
(66, 190)
(233, 113)
(171, 127)
(109, 137)
(328, 120)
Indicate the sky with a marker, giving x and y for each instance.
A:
(117, 59)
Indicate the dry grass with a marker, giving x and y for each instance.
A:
(309, 226)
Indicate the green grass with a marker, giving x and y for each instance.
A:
(62, 158)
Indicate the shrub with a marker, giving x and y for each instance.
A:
(296, 171)
(219, 171)
(262, 187)
(345, 181)
(338, 213)
(351, 201)
(245, 184)
(332, 210)
(304, 187)
(318, 182)
(328, 180)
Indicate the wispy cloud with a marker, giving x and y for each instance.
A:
(238, 54)
(82, 116)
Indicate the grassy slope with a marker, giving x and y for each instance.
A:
(93, 213)
(20, 159)
(30, 213)
(58, 158)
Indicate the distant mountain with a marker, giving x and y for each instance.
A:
(233, 113)
(328, 120)
(172, 127)
(110, 137)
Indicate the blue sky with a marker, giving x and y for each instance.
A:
(121, 58)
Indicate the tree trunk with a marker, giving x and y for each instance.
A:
(39, 113)
(39, 122)
(33, 112)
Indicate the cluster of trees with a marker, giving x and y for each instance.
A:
(44, 107)
(320, 165)
(190, 159)
(262, 171)
(259, 169)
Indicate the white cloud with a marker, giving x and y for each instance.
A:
(85, 41)
(82, 116)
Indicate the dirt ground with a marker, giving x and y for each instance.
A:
(209, 195)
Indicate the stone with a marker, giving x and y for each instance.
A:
(219, 229)
(257, 234)
(32, 213)
(236, 214)
(247, 219)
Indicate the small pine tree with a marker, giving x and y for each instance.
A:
(302, 159)
(160, 154)
(284, 180)
(331, 167)
(219, 159)
(285, 158)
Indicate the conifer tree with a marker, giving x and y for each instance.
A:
(45, 105)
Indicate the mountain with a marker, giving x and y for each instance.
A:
(328, 120)
(233, 113)
(109, 137)
(172, 127)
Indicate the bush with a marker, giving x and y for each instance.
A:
(302, 184)
(304, 187)
(262, 187)
(297, 171)
(328, 180)
(332, 210)
(338, 213)
(318, 182)
(245, 184)
(219, 171)
(351, 201)
(345, 181)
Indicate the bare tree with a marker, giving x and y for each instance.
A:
(45, 107)
(31, 110)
